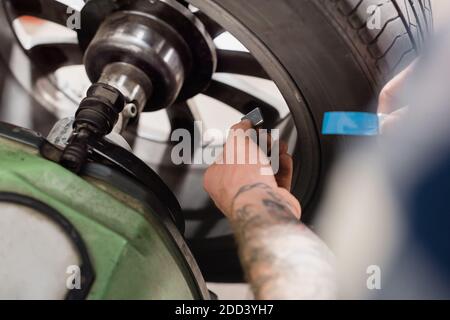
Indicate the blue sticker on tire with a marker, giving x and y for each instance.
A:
(350, 124)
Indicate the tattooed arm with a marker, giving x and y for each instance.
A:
(282, 258)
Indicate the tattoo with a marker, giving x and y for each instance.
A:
(262, 186)
(247, 188)
(282, 258)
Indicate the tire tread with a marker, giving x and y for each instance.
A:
(406, 25)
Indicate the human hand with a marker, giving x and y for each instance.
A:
(390, 102)
(225, 180)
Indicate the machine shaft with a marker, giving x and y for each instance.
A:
(146, 54)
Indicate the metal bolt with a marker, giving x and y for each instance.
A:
(130, 110)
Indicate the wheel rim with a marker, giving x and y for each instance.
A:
(68, 53)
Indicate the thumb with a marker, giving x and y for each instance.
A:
(244, 125)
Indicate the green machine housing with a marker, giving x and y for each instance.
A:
(128, 245)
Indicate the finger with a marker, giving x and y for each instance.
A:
(241, 146)
(389, 99)
(237, 130)
(390, 124)
(265, 142)
(244, 125)
(284, 175)
(283, 147)
(391, 121)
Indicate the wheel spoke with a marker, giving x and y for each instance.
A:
(238, 62)
(241, 101)
(213, 28)
(50, 57)
(181, 117)
(57, 11)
